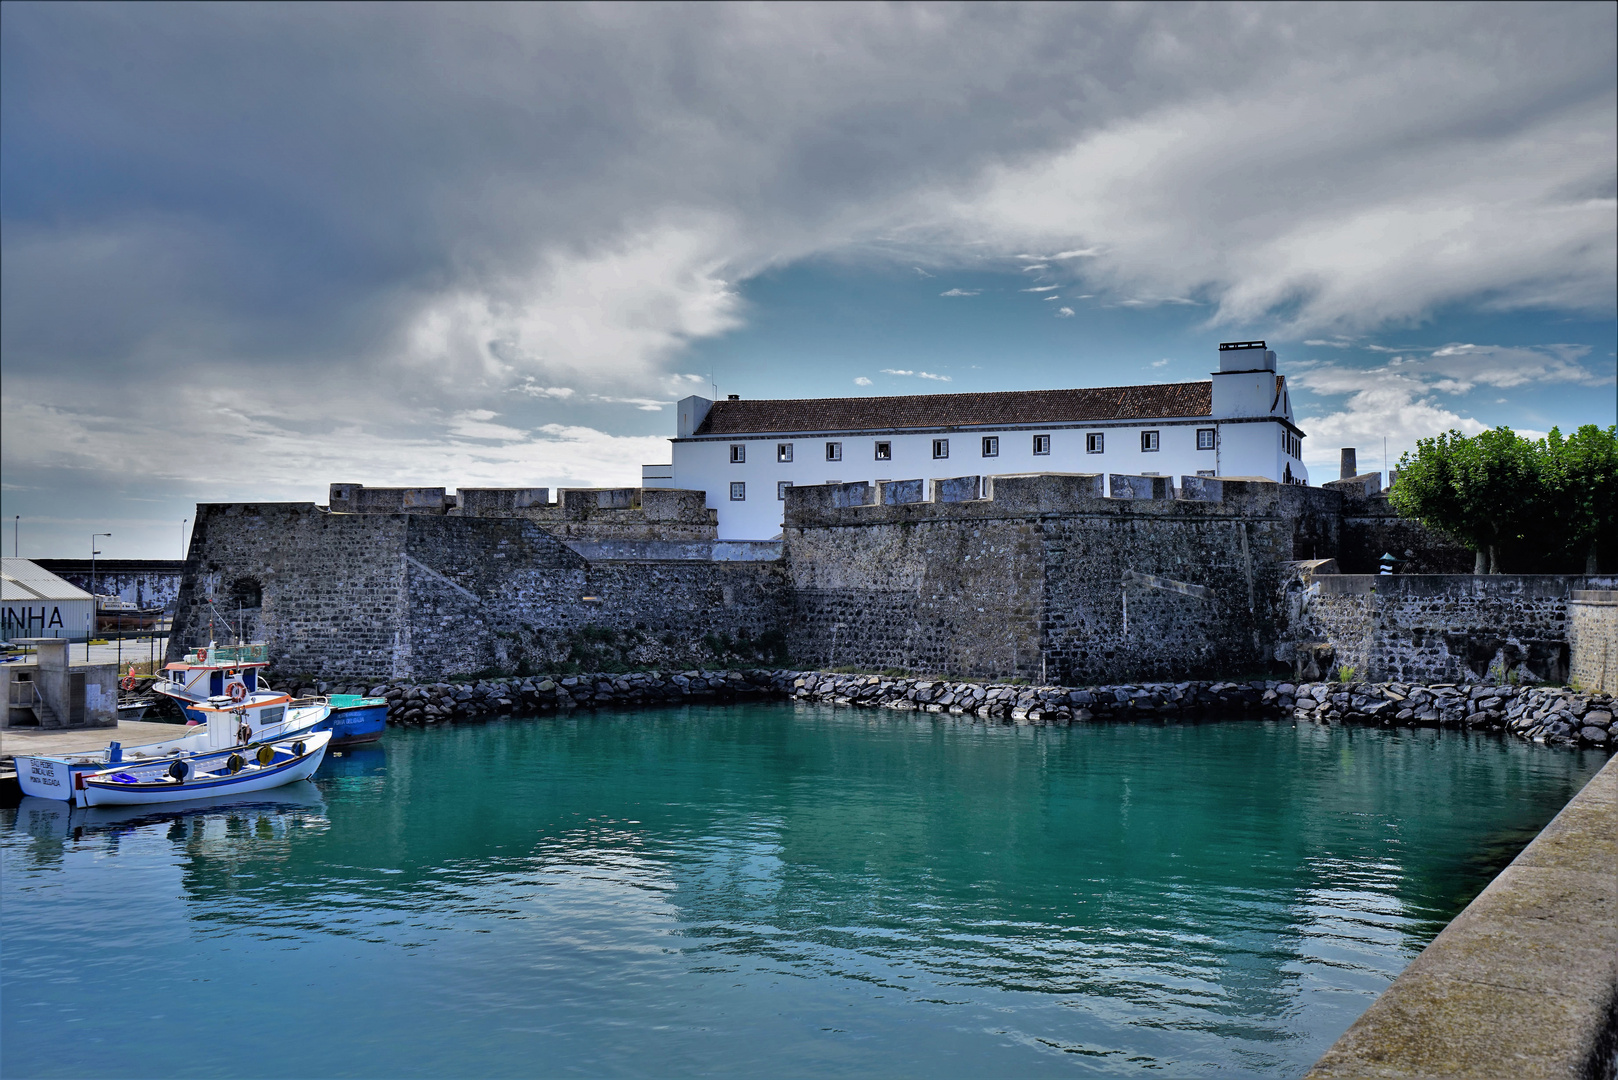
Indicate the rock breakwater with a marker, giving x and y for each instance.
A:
(1547, 714)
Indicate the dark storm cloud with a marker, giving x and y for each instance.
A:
(458, 212)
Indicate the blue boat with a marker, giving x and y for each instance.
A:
(356, 719)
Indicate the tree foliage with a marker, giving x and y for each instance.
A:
(1523, 505)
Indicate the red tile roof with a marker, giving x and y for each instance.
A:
(1158, 401)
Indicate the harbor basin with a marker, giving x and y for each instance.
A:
(763, 889)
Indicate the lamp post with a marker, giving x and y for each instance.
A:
(16, 533)
(94, 603)
(183, 523)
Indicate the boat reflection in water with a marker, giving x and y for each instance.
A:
(202, 824)
(355, 762)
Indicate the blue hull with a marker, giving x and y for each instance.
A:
(358, 724)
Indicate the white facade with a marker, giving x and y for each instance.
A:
(1249, 432)
(35, 603)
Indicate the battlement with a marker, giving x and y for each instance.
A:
(1017, 495)
(629, 513)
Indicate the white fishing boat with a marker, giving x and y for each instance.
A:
(226, 721)
(233, 771)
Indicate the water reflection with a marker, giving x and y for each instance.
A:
(1218, 896)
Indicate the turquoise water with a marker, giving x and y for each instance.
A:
(755, 890)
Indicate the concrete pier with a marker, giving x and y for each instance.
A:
(1522, 983)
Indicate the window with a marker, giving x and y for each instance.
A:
(1205, 472)
(781, 489)
(940, 448)
(738, 492)
(834, 451)
(1148, 441)
(1205, 438)
(738, 453)
(783, 451)
(884, 451)
(991, 446)
(1042, 444)
(1095, 443)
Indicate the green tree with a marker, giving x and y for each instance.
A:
(1527, 505)
(1484, 491)
(1581, 474)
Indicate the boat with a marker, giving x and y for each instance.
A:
(114, 614)
(235, 718)
(356, 719)
(236, 770)
(211, 672)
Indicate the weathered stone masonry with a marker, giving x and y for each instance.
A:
(1441, 627)
(410, 596)
(1040, 577)
(1029, 581)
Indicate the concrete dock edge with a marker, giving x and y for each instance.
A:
(1523, 982)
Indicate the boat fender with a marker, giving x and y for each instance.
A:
(299, 748)
(178, 770)
(234, 763)
(238, 691)
(266, 754)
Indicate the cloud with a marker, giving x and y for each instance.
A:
(1161, 363)
(861, 380)
(1064, 313)
(1399, 399)
(922, 272)
(1042, 288)
(1053, 297)
(961, 292)
(530, 388)
(915, 374)
(379, 206)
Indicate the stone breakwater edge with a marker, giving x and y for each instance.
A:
(1543, 714)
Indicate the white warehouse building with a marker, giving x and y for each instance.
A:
(745, 454)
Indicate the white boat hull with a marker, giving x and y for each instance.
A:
(101, 789)
(52, 776)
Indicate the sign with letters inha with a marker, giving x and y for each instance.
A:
(32, 620)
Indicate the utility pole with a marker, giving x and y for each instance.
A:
(94, 603)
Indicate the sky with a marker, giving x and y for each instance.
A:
(247, 251)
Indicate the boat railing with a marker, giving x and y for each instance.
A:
(222, 655)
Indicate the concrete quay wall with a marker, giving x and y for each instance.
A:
(1522, 983)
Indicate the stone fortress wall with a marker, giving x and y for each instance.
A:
(414, 595)
(1069, 578)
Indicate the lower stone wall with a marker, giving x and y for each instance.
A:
(1441, 627)
(1592, 636)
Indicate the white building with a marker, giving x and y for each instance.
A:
(745, 454)
(35, 603)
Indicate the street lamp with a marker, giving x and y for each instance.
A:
(183, 523)
(94, 603)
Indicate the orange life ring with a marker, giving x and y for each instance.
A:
(238, 691)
